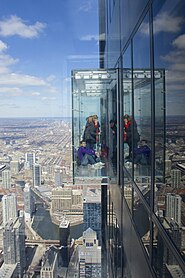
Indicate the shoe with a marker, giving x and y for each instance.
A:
(127, 157)
(100, 163)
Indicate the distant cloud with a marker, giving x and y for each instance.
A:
(5, 60)
(14, 91)
(83, 56)
(48, 98)
(16, 26)
(164, 23)
(3, 46)
(51, 78)
(89, 37)
(175, 59)
(179, 42)
(35, 94)
(86, 6)
(15, 79)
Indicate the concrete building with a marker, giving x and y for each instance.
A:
(14, 167)
(29, 203)
(6, 179)
(61, 199)
(9, 204)
(36, 175)
(92, 211)
(173, 207)
(14, 244)
(64, 237)
(9, 271)
(176, 178)
(49, 264)
(168, 166)
(58, 178)
(30, 160)
(89, 255)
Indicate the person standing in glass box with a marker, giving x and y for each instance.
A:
(129, 125)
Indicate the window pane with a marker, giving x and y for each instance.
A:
(170, 59)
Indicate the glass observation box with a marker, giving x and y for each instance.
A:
(90, 91)
(100, 97)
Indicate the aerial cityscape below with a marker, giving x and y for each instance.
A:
(36, 178)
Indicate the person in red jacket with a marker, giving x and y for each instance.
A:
(129, 126)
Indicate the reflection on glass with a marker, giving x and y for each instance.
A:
(127, 103)
(142, 104)
(169, 57)
(128, 191)
(164, 262)
(141, 219)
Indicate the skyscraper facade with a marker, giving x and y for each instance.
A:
(173, 207)
(14, 243)
(134, 87)
(29, 160)
(61, 199)
(176, 178)
(14, 167)
(58, 178)
(9, 203)
(49, 265)
(89, 255)
(64, 237)
(36, 175)
(28, 202)
(136, 42)
(92, 213)
(6, 179)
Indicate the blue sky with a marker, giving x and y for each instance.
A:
(40, 42)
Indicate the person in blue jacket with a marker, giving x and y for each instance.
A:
(142, 154)
(87, 156)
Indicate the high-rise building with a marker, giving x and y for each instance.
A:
(58, 178)
(49, 264)
(6, 179)
(92, 212)
(176, 178)
(29, 160)
(29, 203)
(36, 175)
(9, 203)
(89, 255)
(14, 167)
(138, 66)
(14, 243)
(64, 237)
(61, 199)
(168, 167)
(173, 207)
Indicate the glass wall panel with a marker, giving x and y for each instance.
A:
(164, 262)
(113, 34)
(127, 103)
(142, 107)
(128, 191)
(141, 219)
(169, 56)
